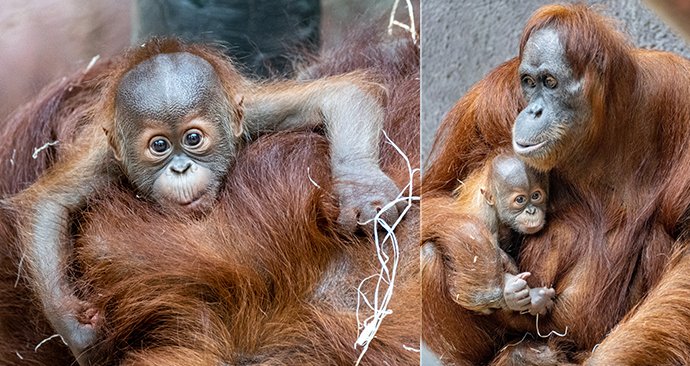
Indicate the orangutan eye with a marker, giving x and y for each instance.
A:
(529, 81)
(520, 200)
(193, 138)
(536, 196)
(550, 82)
(159, 145)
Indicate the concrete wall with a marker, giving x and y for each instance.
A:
(463, 40)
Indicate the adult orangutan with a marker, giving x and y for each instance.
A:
(612, 124)
(266, 276)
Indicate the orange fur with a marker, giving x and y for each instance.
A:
(463, 270)
(266, 277)
(619, 205)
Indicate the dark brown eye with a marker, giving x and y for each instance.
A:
(159, 145)
(192, 138)
(520, 200)
(529, 81)
(536, 196)
(550, 82)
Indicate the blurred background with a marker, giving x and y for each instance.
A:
(44, 40)
(463, 40)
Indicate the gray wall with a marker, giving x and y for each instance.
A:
(463, 40)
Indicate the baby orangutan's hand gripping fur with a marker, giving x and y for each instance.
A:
(511, 198)
(170, 122)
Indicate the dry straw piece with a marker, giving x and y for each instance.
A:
(388, 254)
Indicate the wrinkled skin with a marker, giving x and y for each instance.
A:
(550, 126)
(173, 139)
(519, 297)
(518, 194)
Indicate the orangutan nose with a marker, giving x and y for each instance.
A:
(180, 165)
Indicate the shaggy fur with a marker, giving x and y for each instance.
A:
(266, 278)
(615, 245)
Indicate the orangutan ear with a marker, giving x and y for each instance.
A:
(113, 144)
(488, 197)
(238, 126)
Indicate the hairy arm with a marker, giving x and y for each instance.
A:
(466, 260)
(351, 110)
(44, 211)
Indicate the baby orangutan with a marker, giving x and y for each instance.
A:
(170, 121)
(509, 197)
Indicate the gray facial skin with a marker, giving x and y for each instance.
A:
(164, 94)
(520, 195)
(553, 120)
